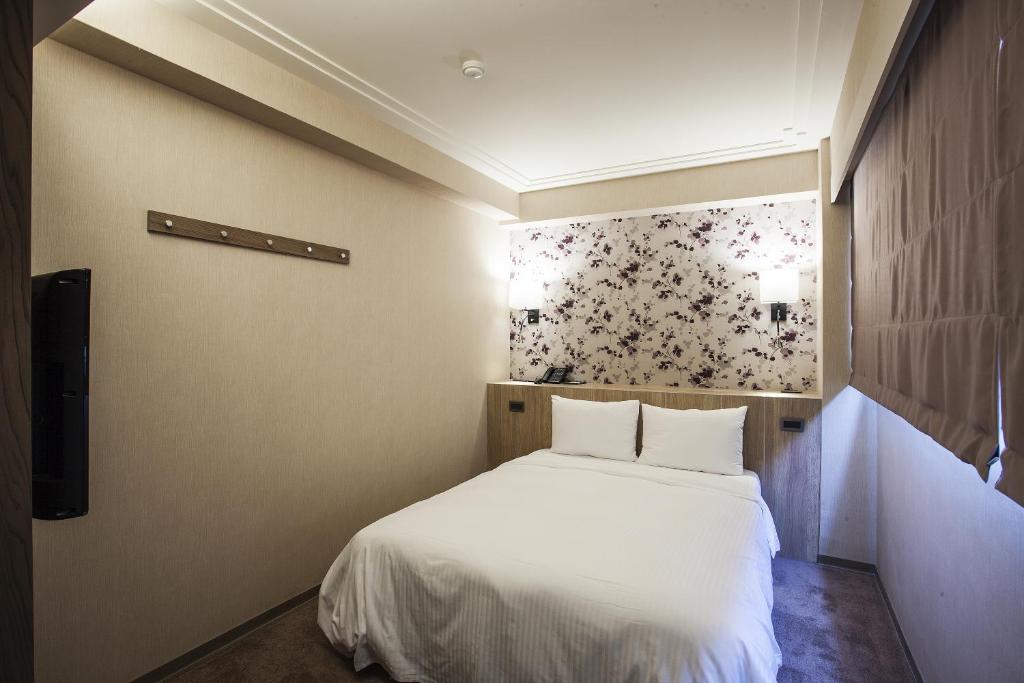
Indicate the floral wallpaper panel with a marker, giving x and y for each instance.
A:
(670, 299)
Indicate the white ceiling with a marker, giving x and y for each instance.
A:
(576, 90)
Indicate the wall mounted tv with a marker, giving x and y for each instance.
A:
(60, 394)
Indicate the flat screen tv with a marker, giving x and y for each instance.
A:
(60, 394)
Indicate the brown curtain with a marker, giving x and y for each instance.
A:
(937, 259)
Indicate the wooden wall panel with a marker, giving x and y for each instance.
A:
(15, 449)
(792, 473)
(788, 463)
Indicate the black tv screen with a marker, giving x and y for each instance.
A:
(60, 394)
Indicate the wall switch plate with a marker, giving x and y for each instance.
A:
(791, 424)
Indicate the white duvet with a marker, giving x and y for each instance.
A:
(564, 568)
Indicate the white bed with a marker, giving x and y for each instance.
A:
(564, 568)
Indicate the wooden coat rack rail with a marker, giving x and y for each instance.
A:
(169, 224)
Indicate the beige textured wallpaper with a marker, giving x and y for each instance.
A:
(880, 31)
(848, 462)
(161, 33)
(750, 178)
(250, 411)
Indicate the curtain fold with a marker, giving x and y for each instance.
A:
(1009, 275)
(938, 292)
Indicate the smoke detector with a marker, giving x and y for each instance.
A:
(473, 68)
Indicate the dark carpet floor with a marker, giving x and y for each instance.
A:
(832, 625)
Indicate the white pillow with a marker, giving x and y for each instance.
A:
(603, 429)
(701, 440)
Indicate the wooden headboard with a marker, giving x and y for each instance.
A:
(788, 462)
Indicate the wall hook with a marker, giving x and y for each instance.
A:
(193, 228)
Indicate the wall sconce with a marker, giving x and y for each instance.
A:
(779, 288)
(526, 295)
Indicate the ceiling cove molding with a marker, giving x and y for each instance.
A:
(265, 39)
(807, 46)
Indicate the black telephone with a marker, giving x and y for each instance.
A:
(554, 376)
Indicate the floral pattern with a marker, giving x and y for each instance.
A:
(671, 299)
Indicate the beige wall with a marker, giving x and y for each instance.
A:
(834, 220)
(249, 411)
(848, 464)
(784, 174)
(880, 32)
(163, 44)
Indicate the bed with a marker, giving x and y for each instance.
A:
(564, 568)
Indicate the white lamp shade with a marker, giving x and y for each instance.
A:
(525, 294)
(779, 285)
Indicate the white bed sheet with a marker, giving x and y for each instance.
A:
(564, 568)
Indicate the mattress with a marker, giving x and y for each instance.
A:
(564, 568)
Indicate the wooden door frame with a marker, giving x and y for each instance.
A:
(17, 37)
(16, 654)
